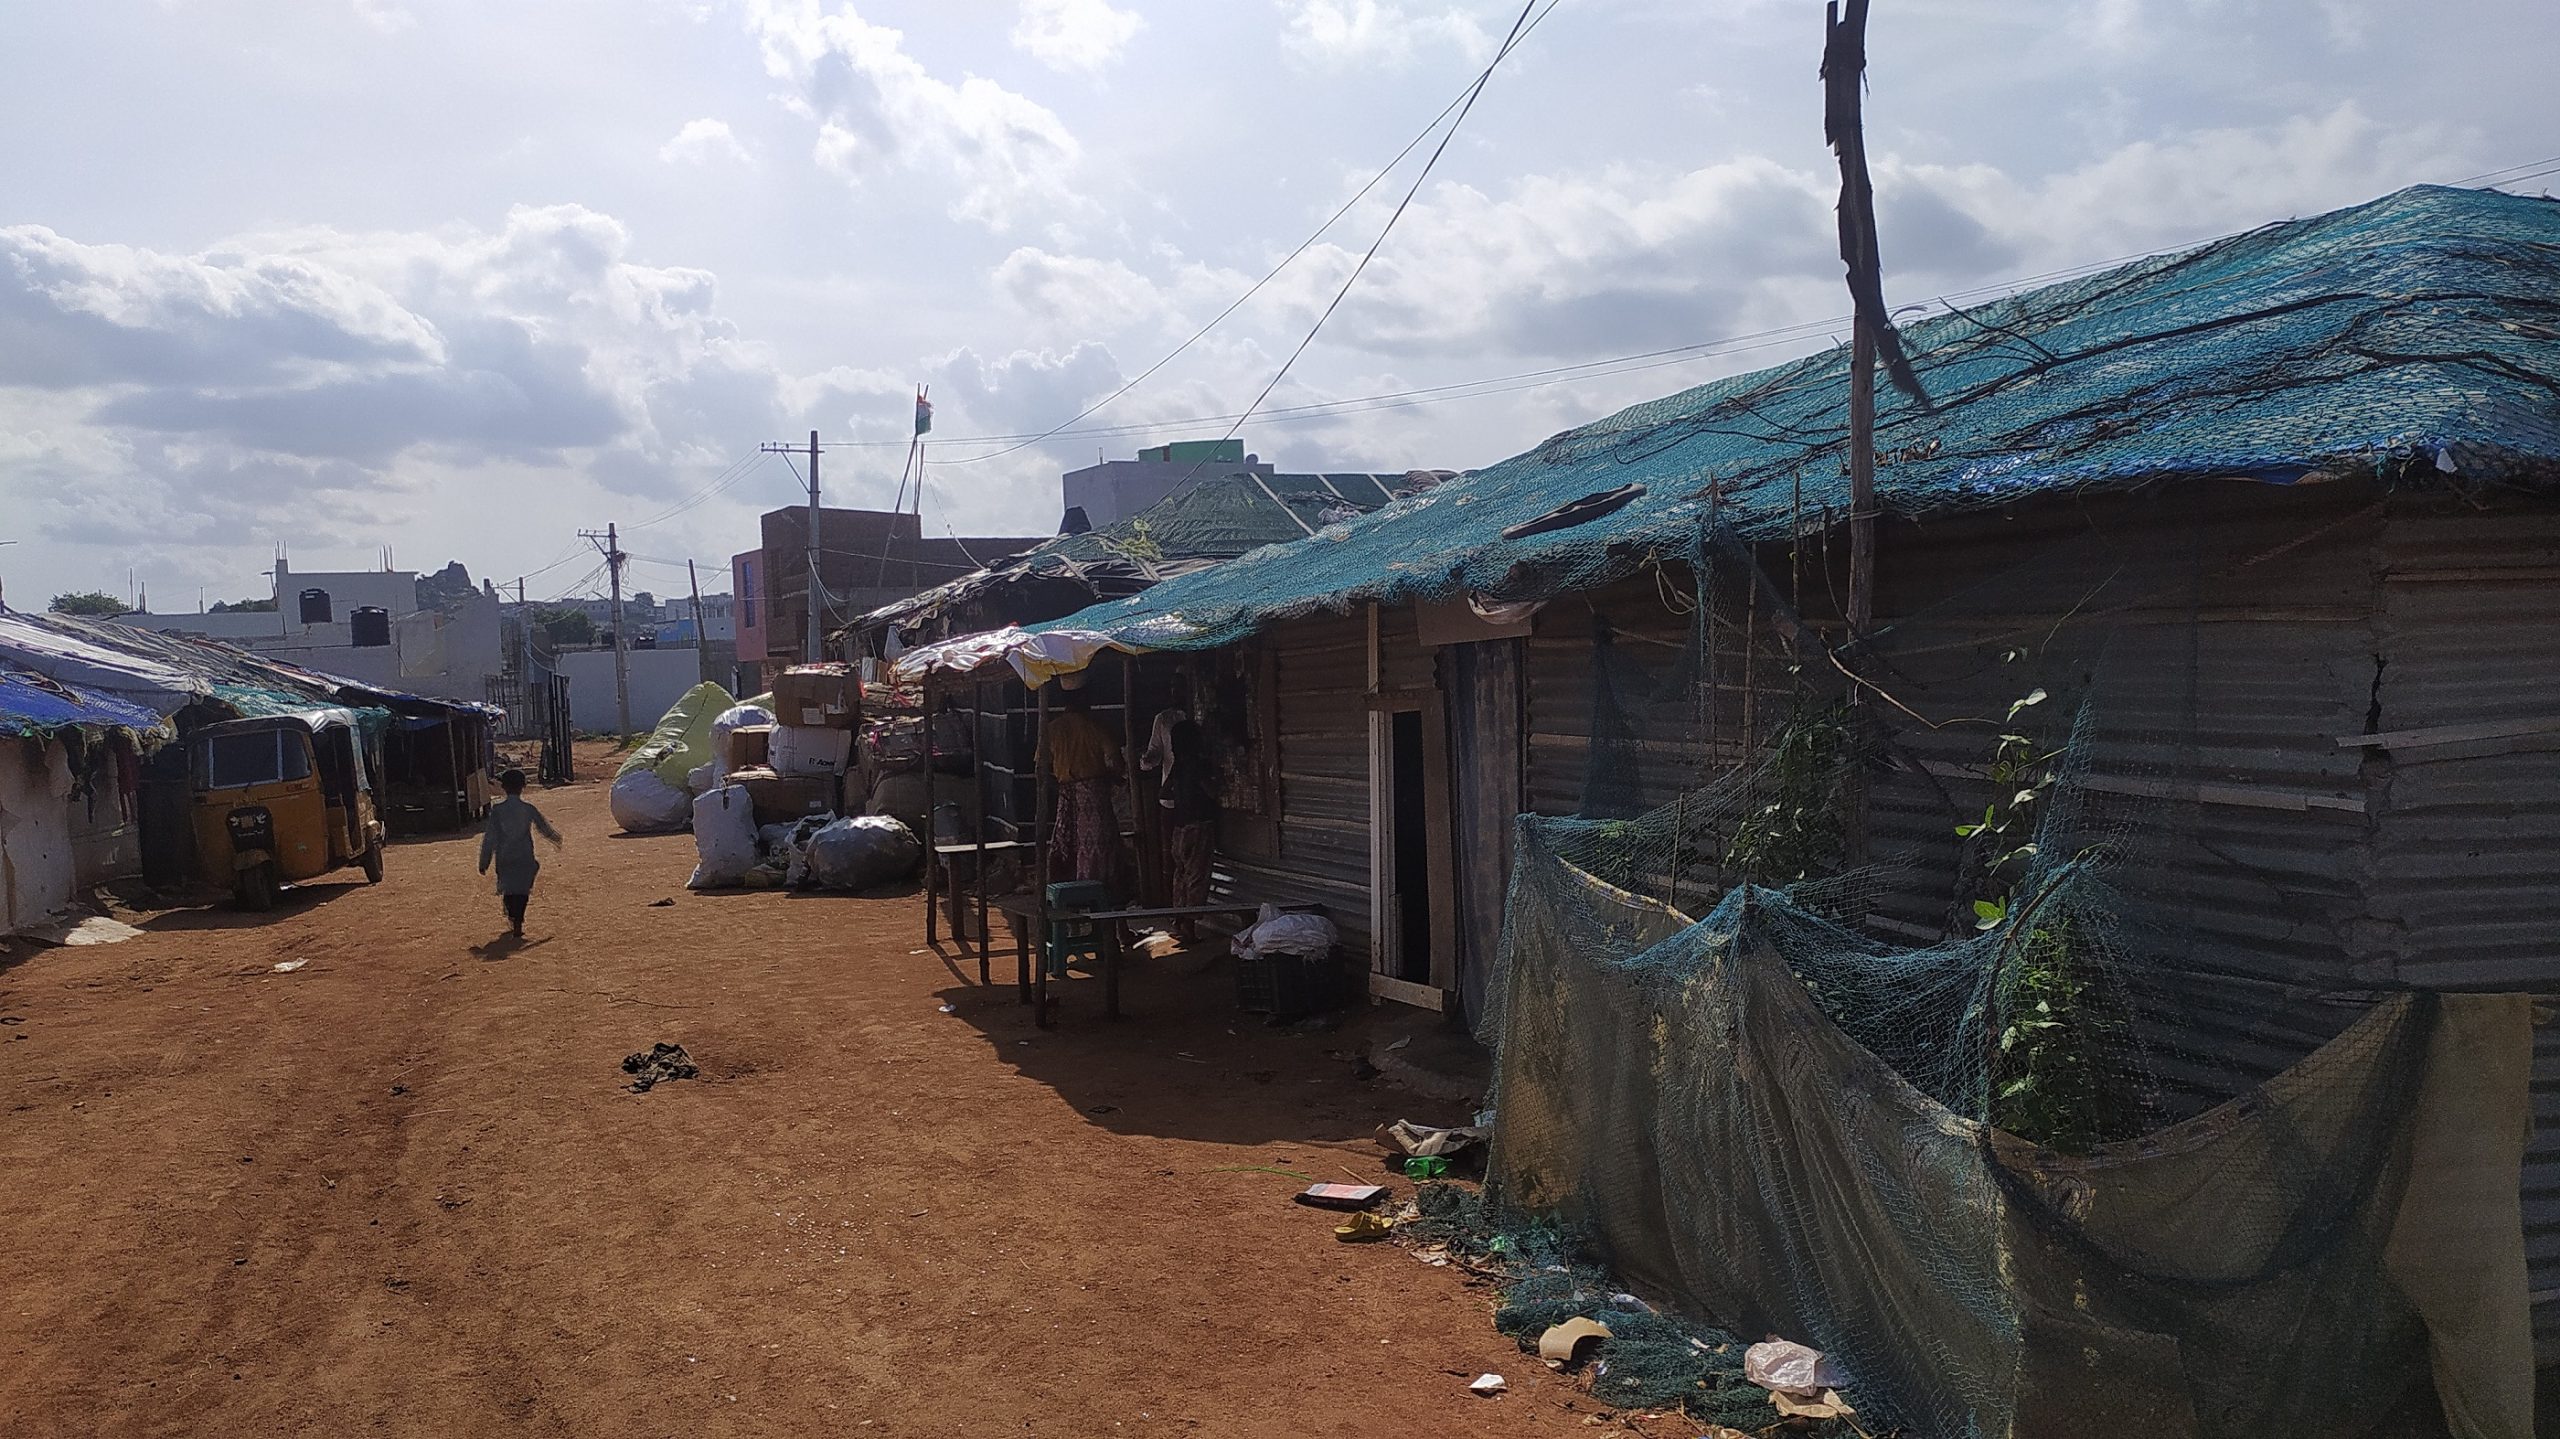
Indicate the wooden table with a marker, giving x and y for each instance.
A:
(943, 855)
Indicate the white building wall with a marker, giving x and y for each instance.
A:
(658, 679)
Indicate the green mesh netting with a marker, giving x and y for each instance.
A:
(1783, 1123)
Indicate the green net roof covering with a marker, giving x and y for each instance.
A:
(2414, 336)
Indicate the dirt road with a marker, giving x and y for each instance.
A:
(404, 1190)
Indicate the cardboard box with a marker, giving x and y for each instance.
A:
(804, 750)
(750, 747)
(817, 696)
(786, 799)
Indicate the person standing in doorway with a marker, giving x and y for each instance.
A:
(507, 842)
(1083, 759)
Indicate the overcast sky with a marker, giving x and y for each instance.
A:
(462, 277)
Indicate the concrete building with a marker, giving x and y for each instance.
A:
(367, 625)
(1114, 490)
(867, 558)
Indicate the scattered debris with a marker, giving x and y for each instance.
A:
(947, 1008)
(288, 966)
(1407, 1138)
(662, 904)
(1363, 1227)
(1401, 1043)
(1102, 1109)
(1488, 1385)
(89, 929)
(1562, 1343)
(662, 1062)
(1829, 1406)
(1156, 944)
(1341, 1196)
(1425, 1166)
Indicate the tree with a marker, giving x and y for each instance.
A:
(243, 607)
(564, 626)
(95, 603)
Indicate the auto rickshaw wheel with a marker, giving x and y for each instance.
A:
(372, 862)
(256, 888)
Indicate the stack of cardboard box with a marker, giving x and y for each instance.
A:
(794, 768)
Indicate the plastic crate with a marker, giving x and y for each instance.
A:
(1079, 894)
(1290, 986)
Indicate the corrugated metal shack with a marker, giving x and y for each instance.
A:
(2276, 515)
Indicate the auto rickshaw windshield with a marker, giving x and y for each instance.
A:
(233, 761)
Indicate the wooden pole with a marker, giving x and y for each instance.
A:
(701, 636)
(1044, 815)
(978, 809)
(932, 861)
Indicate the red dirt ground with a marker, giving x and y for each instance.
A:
(404, 1190)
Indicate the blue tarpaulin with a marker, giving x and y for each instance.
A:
(31, 704)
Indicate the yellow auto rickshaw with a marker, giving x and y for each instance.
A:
(282, 798)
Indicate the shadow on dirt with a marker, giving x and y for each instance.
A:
(1185, 1061)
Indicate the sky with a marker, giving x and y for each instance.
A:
(461, 278)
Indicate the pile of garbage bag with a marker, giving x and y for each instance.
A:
(652, 792)
(821, 852)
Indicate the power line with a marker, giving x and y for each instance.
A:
(1464, 97)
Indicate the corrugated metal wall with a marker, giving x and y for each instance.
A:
(2465, 875)
(1320, 672)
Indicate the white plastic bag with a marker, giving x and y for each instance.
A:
(1784, 1367)
(1310, 935)
(644, 803)
(724, 838)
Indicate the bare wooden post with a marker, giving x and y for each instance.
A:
(932, 861)
(978, 811)
(1044, 812)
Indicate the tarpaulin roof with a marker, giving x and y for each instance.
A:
(165, 673)
(1214, 518)
(2415, 337)
(31, 704)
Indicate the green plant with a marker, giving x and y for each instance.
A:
(2021, 776)
(96, 604)
(1796, 835)
(2052, 1015)
(2047, 1082)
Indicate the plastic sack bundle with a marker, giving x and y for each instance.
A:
(745, 712)
(1310, 935)
(860, 852)
(724, 838)
(650, 791)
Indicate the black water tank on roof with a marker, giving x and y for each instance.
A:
(315, 607)
(369, 626)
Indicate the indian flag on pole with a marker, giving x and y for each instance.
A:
(924, 413)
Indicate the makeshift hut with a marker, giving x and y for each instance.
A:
(431, 754)
(2204, 706)
(70, 765)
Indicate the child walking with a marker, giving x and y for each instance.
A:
(507, 842)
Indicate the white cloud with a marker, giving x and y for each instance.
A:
(323, 384)
(384, 15)
(1339, 33)
(1074, 34)
(877, 107)
(702, 141)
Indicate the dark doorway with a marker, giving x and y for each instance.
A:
(1411, 828)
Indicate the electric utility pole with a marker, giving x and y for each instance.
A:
(814, 640)
(613, 561)
(701, 636)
